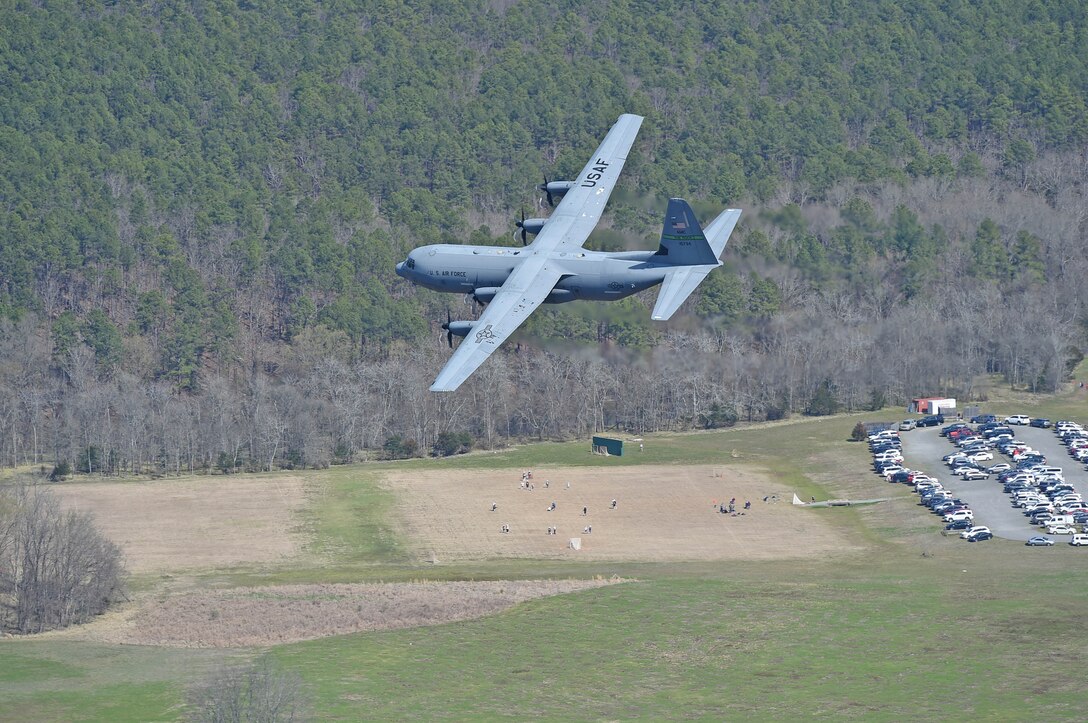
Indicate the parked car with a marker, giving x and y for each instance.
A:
(959, 515)
(983, 419)
(1018, 419)
(1000, 467)
(1079, 539)
(959, 427)
(977, 529)
(980, 536)
(959, 525)
(969, 473)
(932, 420)
(907, 424)
(1040, 422)
(981, 456)
(1039, 541)
(1060, 530)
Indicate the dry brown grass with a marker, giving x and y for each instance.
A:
(663, 513)
(196, 522)
(289, 613)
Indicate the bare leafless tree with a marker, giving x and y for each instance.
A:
(56, 568)
(258, 693)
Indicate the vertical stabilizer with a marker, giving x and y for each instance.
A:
(682, 239)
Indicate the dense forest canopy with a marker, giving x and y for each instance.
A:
(201, 204)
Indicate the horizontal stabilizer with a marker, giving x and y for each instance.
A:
(717, 233)
(677, 287)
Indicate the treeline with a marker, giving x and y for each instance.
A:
(201, 206)
(320, 407)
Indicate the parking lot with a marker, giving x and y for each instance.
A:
(923, 449)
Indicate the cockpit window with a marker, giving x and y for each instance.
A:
(410, 263)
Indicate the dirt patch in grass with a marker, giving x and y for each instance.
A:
(195, 523)
(665, 513)
(289, 613)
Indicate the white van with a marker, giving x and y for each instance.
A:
(1079, 539)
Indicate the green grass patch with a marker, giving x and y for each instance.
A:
(349, 515)
(119, 703)
(898, 639)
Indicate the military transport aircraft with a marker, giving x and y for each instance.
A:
(555, 268)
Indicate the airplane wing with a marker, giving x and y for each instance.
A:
(577, 214)
(535, 277)
(524, 290)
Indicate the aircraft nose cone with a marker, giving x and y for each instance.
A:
(400, 269)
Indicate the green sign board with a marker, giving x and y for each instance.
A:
(607, 445)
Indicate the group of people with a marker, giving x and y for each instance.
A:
(527, 484)
(730, 508)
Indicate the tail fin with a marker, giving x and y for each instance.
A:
(682, 239)
(685, 246)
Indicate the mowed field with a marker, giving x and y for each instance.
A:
(196, 523)
(662, 513)
(671, 610)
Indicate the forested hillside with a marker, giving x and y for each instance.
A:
(201, 205)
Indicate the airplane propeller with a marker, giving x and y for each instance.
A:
(521, 224)
(544, 187)
(446, 326)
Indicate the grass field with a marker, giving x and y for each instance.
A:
(904, 624)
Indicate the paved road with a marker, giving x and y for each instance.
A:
(923, 449)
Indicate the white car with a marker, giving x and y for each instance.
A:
(959, 515)
(982, 456)
(974, 530)
(1018, 419)
(1000, 467)
(1060, 530)
(1079, 539)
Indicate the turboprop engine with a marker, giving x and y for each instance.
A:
(529, 226)
(555, 189)
(484, 294)
(456, 328)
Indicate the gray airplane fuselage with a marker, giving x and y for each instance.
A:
(590, 275)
